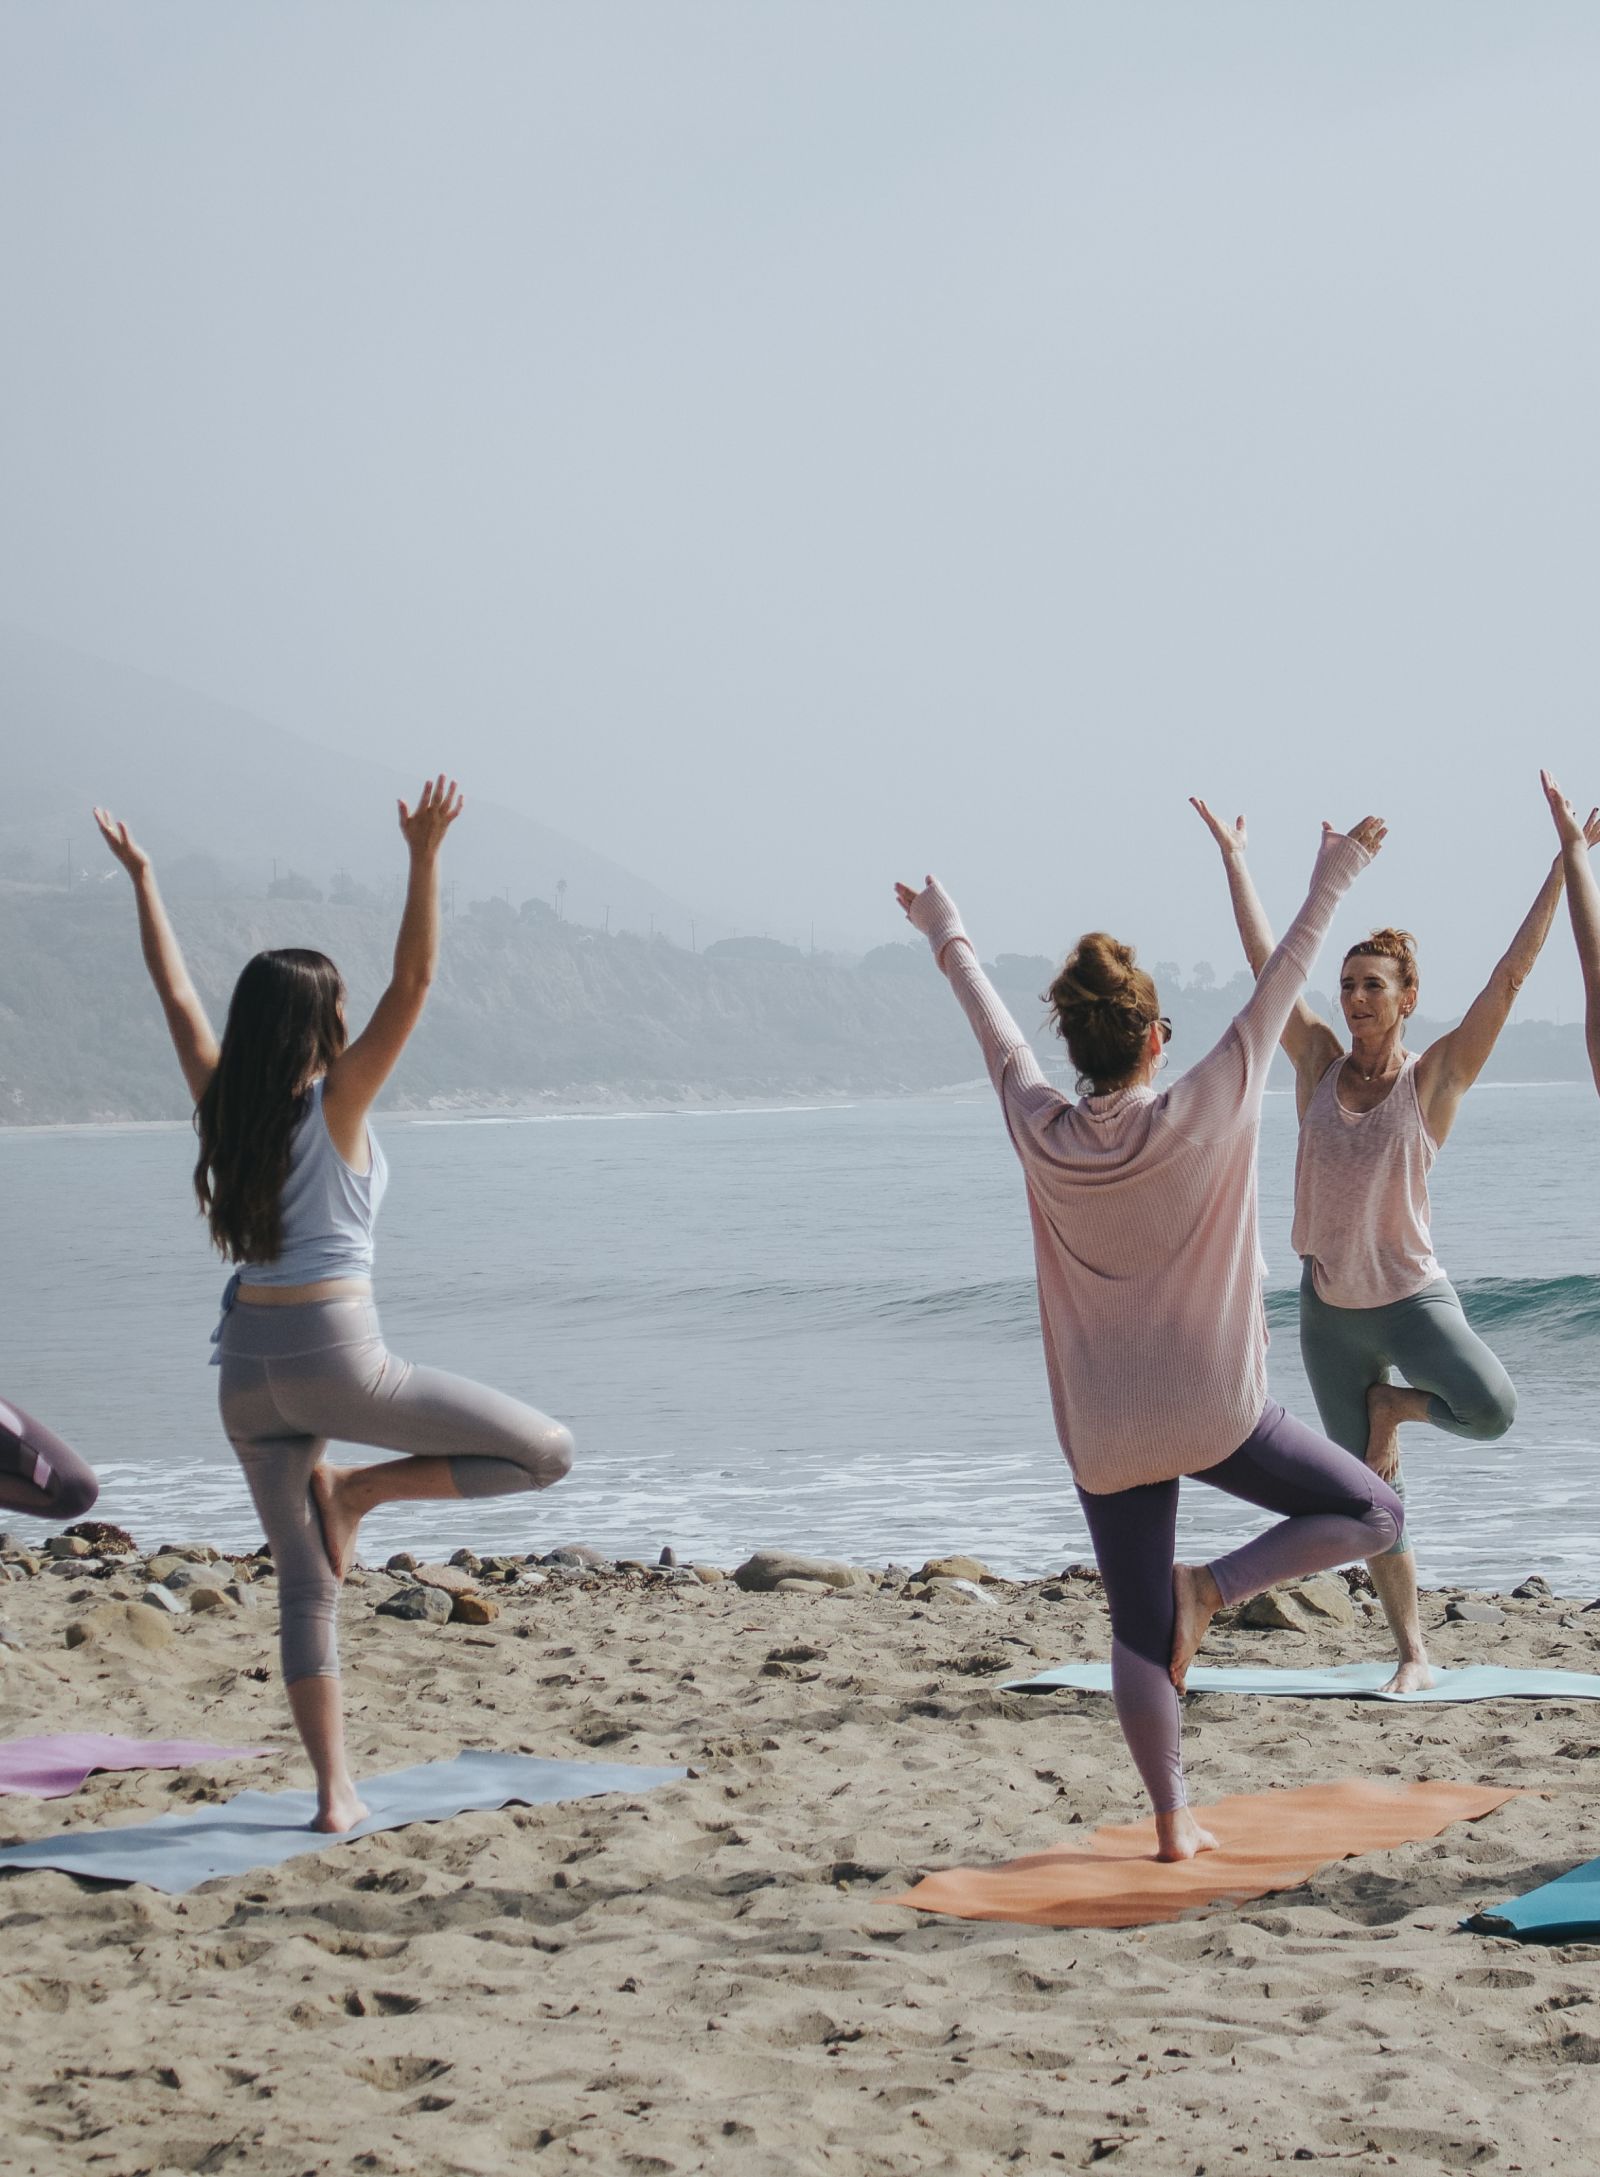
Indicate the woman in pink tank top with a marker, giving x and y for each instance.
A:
(1374, 1302)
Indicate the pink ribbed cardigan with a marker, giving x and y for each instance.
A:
(1144, 1216)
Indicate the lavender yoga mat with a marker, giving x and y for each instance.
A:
(263, 1829)
(52, 1766)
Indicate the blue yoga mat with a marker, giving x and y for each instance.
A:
(175, 1852)
(1564, 1911)
(1358, 1681)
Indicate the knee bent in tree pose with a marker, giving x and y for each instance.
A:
(290, 1177)
(1374, 1303)
(1143, 1203)
(39, 1474)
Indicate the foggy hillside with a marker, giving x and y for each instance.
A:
(531, 1010)
(224, 801)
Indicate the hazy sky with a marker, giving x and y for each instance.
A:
(789, 445)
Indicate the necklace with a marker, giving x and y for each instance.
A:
(1376, 1073)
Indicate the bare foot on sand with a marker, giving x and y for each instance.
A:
(1179, 1836)
(340, 1811)
(1196, 1599)
(338, 1518)
(1388, 1404)
(1412, 1677)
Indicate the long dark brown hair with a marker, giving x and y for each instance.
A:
(284, 1029)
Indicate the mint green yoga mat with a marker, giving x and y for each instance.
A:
(261, 1829)
(1347, 1681)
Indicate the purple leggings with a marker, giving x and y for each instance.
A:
(1337, 1510)
(39, 1473)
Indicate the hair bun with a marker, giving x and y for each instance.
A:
(1100, 971)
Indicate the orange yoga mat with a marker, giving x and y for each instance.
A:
(1265, 1841)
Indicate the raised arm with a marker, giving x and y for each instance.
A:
(1009, 1056)
(1209, 1098)
(1450, 1065)
(1308, 1040)
(1583, 904)
(359, 1072)
(190, 1030)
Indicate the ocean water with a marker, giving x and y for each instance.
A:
(809, 1327)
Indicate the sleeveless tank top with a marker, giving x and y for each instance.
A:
(1361, 1195)
(328, 1210)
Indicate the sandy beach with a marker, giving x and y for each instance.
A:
(711, 1976)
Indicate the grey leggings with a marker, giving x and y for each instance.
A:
(294, 1377)
(1429, 1340)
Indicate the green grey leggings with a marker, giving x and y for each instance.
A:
(1429, 1340)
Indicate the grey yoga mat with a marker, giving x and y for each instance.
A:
(1348, 1681)
(175, 1852)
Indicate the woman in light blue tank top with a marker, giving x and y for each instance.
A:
(290, 1178)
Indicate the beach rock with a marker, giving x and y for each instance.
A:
(156, 1597)
(67, 1545)
(182, 1579)
(74, 1568)
(1080, 1571)
(1535, 1588)
(577, 1555)
(792, 1586)
(163, 1562)
(708, 1575)
(667, 1557)
(210, 1598)
(28, 1567)
(242, 1593)
(120, 1625)
(449, 1579)
(431, 1605)
(961, 1590)
(768, 1569)
(954, 1568)
(1467, 1613)
(474, 1610)
(189, 1553)
(1273, 1612)
(1325, 1599)
(401, 1561)
(467, 1561)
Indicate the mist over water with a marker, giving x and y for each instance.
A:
(807, 1327)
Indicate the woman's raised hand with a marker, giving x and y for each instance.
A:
(438, 806)
(1369, 834)
(1568, 829)
(1229, 837)
(126, 849)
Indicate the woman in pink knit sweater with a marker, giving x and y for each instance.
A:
(1143, 1202)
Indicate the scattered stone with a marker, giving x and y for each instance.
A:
(1327, 1599)
(954, 1568)
(8, 1571)
(577, 1554)
(190, 1553)
(1462, 1613)
(961, 1591)
(449, 1578)
(474, 1610)
(120, 1625)
(1274, 1613)
(163, 1563)
(430, 1604)
(467, 1561)
(667, 1557)
(708, 1575)
(632, 1564)
(791, 1585)
(103, 1538)
(156, 1597)
(1535, 1588)
(401, 1561)
(182, 1578)
(29, 1567)
(75, 1568)
(768, 1569)
(210, 1598)
(67, 1545)
(1080, 1571)
(242, 1593)
(1301, 1607)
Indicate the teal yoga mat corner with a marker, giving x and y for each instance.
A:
(1347, 1681)
(256, 1829)
(1564, 1911)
